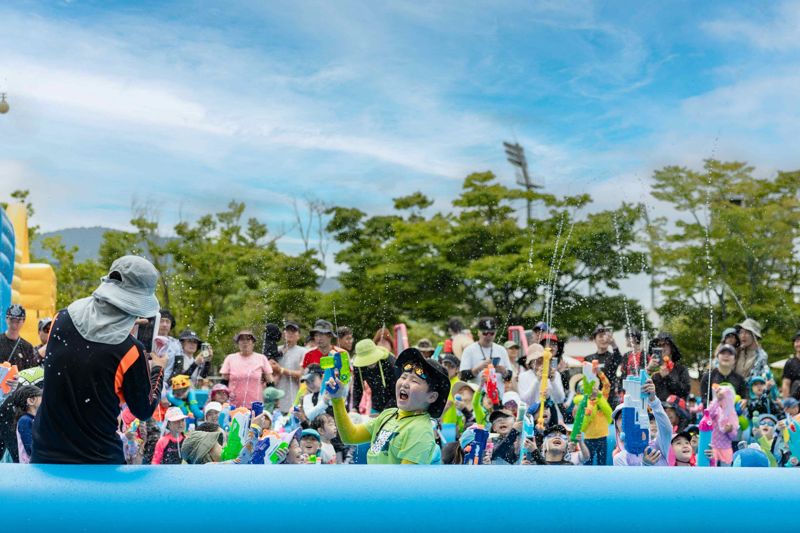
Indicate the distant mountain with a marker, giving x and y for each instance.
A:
(87, 240)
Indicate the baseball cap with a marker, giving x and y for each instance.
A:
(510, 344)
(452, 359)
(311, 433)
(45, 323)
(541, 326)
(727, 348)
(790, 402)
(487, 324)
(212, 406)
(291, 324)
(15, 311)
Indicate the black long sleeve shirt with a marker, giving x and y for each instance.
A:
(677, 382)
(85, 384)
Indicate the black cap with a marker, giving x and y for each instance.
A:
(555, 428)
(685, 434)
(487, 323)
(323, 326)
(796, 336)
(452, 359)
(499, 413)
(312, 369)
(598, 328)
(189, 335)
(291, 324)
(15, 311)
(438, 380)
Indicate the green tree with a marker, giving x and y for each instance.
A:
(75, 280)
(752, 226)
(477, 260)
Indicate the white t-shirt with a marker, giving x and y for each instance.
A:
(292, 360)
(475, 353)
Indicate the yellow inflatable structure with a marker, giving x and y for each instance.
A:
(34, 284)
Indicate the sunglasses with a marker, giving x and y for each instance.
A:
(767, 423)
(418, 370)
(488, 333)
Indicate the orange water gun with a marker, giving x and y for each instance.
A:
(8, 373)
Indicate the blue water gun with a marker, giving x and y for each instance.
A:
(333, 364)
(635, 422)
(706, 427)
(473, 451)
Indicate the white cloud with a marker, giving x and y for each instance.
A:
(774, 31)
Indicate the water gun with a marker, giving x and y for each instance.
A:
(635, 432)
(793, 428)
(400, 337)
(274, 457)
(438, 351)
(521, 410)
(668, 364)
(548, 355)
(7, 374)
(706, 427)
(589, 377)
(473, 452)
(490, 379)
(237, 436)
(336, 363)
(260, 451)
(725, 399)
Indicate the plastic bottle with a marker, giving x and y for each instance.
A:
(705, 426)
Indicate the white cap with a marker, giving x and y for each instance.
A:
(212, 406)
(174, 414)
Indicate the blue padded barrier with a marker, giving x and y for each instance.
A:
(411, 499)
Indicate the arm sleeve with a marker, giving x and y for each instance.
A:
(664, 426)
(141, 385)
(556, 388)
(530, 394)
(349, 432)
(318, 409)
(605, 408)
(226, 366)
(194, 406)
(25, 430)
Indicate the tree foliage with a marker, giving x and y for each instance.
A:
(752, 226)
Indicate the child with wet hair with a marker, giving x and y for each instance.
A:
(26, 403)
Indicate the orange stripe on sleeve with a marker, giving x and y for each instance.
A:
(125, 363)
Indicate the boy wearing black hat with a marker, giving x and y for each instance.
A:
(324, 336)
(402, 434)
(13, 348)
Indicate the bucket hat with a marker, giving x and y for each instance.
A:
(368, 353)
(130, 286)
(752, 326)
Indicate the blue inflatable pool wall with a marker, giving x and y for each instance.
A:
(6, 263)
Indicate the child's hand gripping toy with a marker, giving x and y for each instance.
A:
(336, 365)
(635, 432)
(8, 373)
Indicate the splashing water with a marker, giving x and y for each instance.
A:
(621, 262)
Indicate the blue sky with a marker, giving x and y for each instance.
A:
(183, 108)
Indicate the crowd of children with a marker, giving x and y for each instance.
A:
(518, 403)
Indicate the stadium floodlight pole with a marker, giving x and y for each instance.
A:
(515, 154)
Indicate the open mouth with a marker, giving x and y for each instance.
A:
(402, 396)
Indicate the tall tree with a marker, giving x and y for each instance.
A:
(735, 238)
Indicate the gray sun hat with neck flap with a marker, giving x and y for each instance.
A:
(130, 286)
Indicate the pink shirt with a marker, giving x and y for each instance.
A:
(245, 381)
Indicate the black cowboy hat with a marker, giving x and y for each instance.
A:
(437, 378)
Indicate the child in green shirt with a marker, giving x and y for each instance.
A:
(402, 434)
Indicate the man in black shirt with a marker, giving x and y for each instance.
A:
(791, 372)
(13, 348)
(94, 365)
